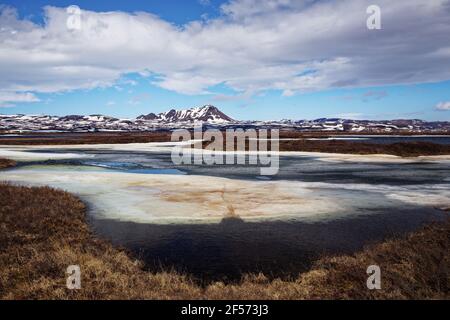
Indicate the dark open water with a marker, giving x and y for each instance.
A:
(278, 249)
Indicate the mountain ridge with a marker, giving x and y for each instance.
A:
(207, 113)
(210, 116)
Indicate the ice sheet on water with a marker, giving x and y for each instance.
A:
(148, 198)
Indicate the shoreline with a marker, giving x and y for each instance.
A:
(45, 243)
(297, 142)
(21, 152)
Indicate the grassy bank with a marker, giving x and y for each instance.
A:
(44, 230)
(401, 149)
(302, 143)
(6, 163)
(85, 138)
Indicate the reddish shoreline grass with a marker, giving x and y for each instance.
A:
(6, 163)
(402, 149)
(86, 138)
(42, 231)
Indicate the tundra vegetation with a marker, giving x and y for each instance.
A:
(6, 163)
(44, 230)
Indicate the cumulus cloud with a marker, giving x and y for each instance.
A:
(8, 99)
(443, 106)
(287, 45)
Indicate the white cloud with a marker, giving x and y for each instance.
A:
(232, 97)
(443, 106)
(292, 46)
(244, 9)
(8, 99)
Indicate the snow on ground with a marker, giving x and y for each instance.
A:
(25, 155)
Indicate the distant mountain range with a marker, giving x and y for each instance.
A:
(210, 116)
(206, 113)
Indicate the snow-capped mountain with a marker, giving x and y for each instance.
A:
(206, 113)
(350, 125)
(211, 117)
(78, 123)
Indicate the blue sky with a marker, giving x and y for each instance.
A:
(210, 56)
(176, 11)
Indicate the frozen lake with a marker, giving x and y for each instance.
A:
(219, 221)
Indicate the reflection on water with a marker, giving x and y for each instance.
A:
(229, 249)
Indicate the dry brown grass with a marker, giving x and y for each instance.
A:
(86, 138)
(6, 163)
(402, 149)
(42, 231)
